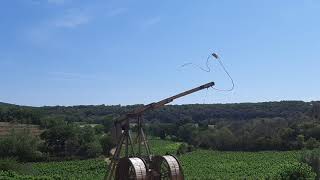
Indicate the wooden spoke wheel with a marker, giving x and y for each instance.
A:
(131, 169)
(167, 168)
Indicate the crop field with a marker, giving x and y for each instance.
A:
(92, 169)
(205, 164)
(85, 169)
(199, 164)
(161, 147)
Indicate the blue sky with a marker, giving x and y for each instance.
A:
(70, 52)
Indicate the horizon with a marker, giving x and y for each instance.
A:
(123, 105)
(67, 52)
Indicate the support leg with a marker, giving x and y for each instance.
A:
(112, 166)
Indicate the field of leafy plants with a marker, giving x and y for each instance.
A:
(85, 169)
(199, 164)
(205, 164)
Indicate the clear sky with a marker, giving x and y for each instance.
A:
(71, 52)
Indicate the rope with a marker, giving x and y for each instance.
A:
(231, 79)
(197, 66)
(208, 69)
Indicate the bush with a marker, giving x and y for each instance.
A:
(22, 145)
(296, 171)
(312, 143)
(7, 164)
(106, 144)
(184, 148)
(11, 164)
(99, 129)
(312, 158)
(174, 138)
(93, 149)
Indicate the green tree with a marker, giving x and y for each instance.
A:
(186, 132)
(93, 149)
(107, 122)
(106, 144)
(300, 140)
(312, 143)
(60, 139)
(22, 145)
(99, 129)
(224, 138)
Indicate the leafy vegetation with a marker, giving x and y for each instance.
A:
(69, 140)
(199, 164)
(312, 158)
(169, 114)
(78, 169)
(204, 164)
(162, 147)
(11, 175)
(83, 132)
(295, 171)
(286, 125)
(19, 144)
(11, 164)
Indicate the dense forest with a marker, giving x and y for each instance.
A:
(196, 113)
(285, 125)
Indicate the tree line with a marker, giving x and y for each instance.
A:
(285, 125)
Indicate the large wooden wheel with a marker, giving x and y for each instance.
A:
(167, 168)
(131, 169)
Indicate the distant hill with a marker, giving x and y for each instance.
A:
(6, 104)
(168, 114)
(285, 125)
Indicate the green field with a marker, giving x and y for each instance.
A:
(93, 169)
(204, 164)
(200, 164)
(85, 169)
